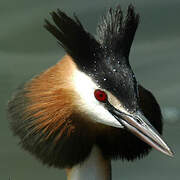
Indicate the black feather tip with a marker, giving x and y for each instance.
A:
(71, 35)
(117, 32)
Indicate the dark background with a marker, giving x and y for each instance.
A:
(26, 49)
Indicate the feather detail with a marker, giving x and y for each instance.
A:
(116, 32)
(72, 36)
(43, 115)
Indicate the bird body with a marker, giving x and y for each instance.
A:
(88, 108)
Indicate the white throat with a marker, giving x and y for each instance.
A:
(95, 167)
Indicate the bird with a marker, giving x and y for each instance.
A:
(88, 109)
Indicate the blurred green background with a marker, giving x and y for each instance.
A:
(26, 49)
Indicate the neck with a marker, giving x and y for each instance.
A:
(94, 167)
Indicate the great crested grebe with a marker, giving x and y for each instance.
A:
(88, 108)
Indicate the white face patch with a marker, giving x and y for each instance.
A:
(90, 106)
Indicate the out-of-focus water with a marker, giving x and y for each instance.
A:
(27, 49)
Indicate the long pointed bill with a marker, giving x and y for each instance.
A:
(138, 124)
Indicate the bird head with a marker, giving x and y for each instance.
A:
(91, 97)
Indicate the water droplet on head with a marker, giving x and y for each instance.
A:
(104, 79)
(113, 59)
(114, 70)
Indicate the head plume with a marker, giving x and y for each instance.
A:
(114, 36)
(117, 32)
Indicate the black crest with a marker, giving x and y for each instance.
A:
(114, 34)
(117, 32)
(71, 35)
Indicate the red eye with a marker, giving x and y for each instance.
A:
(100, 95)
